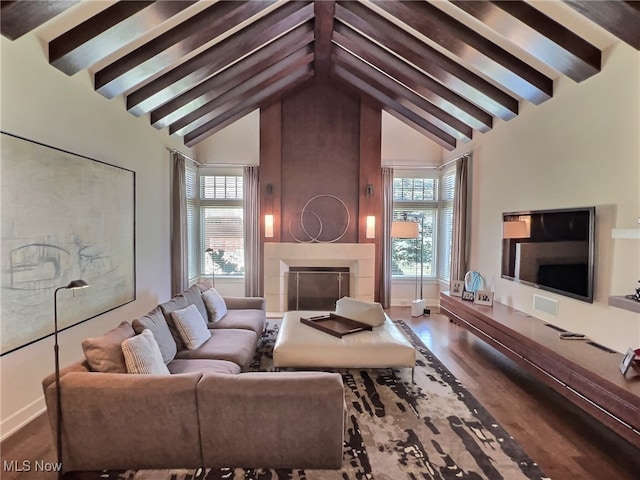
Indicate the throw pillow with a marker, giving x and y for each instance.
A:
(370, 313)
(191, 326)
(142, 355)
(157, 323)
(216, 307)
(104, 353)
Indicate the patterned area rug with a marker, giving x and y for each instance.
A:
(396, 430)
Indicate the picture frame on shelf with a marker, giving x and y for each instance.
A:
(627, 361)
(456, 288)
(483, 297)
(468, 296)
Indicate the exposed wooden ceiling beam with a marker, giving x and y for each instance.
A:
(617, 17)
(402, 95)
(248, 88)
(169, 48)
(323, 30)
(453, 75)
(413, 78)
(20, 17)
(237, 73)
(542, 37)
(416, 121)
(108, 31)
(221, 55)
(246, 106)
(482, 54)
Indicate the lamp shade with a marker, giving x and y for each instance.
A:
(515, 229)
(370, 230)
(268, 226)
(403, 229)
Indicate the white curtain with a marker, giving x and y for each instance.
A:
(179, 262)
(387, 218)
(459, 233)
(252, 257)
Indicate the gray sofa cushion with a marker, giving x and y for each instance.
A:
(237, 346)
(176, 303)
(254, 320)
(104, 353)
(196, 365)
(193, 296)
(155, 321)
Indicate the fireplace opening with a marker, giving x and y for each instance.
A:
(316, 288)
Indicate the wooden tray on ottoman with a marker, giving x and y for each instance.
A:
(335, 324)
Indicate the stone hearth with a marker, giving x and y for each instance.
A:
(278, 257)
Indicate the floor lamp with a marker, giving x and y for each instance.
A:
(73, 285)
(407, 229)
(213, 266)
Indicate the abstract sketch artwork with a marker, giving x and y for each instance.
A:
(63, 217)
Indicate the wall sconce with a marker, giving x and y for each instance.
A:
(370, 231)
(268, 226)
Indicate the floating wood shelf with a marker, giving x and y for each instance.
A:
(587, 376)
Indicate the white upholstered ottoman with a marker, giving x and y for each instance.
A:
(301, 346)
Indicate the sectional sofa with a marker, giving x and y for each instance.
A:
(197, 406)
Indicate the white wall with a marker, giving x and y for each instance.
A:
(43, 104)
(581, 148)
(405, 146)
(237, 144)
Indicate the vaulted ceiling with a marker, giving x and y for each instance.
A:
(446, 69)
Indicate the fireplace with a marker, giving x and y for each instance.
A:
(316, 288)
(280, 258)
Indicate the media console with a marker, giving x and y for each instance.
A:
(584, 372)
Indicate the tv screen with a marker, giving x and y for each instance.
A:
(551, 250)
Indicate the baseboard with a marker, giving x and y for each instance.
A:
(15, 422)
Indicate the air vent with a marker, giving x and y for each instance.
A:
(545, 304)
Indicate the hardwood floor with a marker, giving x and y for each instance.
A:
(567, 444)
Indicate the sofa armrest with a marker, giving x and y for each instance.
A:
(240, 303)
(300, 417)
(117, 421)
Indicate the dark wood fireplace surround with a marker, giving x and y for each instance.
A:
(582, 371)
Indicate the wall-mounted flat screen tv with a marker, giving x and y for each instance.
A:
(551, 249)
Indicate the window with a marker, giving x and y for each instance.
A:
(446, 224)
(215, 220)
(222, 224)
(427, 199)
(415, 200)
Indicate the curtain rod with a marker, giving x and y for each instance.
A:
(468, 154)
(430, 167)
(173, 150)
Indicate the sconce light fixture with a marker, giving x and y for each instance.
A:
(268, 225)
(369, 190)
(370, 231)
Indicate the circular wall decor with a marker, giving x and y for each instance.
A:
(306, 228)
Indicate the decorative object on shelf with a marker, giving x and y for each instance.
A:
(473, 282)
(483, 297)
(627, 360)
(468, 296)
(316, 238)
(636, 295)
(73, 285)
(456, 288)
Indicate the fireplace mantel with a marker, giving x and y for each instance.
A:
(278, 257)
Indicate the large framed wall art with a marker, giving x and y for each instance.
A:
(63, 217)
